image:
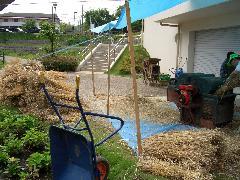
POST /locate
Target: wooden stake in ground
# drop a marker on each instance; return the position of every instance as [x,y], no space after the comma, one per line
[142,32]
[93,83]
[108,91]
[134,79]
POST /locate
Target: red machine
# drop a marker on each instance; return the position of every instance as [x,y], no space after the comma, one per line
[193,93]
[185,94]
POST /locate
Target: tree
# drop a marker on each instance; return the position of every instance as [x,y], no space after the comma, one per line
[30,24]
[98,17]
[64,28]
[136,26]
[49,31]
[118,12]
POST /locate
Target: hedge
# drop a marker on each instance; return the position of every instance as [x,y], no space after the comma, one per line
[60,63]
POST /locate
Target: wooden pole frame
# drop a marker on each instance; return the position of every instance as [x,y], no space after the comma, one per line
[134,78]
[93,80]
[109,62]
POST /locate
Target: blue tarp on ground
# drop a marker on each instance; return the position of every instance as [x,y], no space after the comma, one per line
[141,9]
[105,27]
[128,132]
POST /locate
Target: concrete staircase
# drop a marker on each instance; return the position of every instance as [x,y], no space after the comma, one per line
[100,57]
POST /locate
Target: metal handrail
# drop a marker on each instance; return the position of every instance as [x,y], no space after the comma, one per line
[112,52]
[87,48]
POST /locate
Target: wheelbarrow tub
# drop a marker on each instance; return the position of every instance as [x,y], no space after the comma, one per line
[71,155]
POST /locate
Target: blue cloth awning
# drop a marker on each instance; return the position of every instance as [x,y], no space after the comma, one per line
[105,27]
[141,9]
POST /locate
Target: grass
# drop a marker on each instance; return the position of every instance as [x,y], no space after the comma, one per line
[22,54]
[115,70]
[4,36]
[1,64]
[123,65]
[22,44]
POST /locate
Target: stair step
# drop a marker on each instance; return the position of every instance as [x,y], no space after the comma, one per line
[96,70]
[100,58]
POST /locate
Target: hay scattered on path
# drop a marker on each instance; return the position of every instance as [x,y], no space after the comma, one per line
[20,87]
[191,155]
[153,109]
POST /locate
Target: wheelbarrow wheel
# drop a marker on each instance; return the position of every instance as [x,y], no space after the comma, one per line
[102,167]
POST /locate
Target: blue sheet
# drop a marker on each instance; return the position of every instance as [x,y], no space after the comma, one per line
[128,132]
[105,27]
[141,9]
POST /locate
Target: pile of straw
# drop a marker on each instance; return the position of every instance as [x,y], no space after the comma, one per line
[182,155]
[20,87]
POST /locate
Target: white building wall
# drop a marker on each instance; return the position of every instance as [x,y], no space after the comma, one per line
[161,42]
[188,30]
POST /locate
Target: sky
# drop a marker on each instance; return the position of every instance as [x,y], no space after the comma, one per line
[65,8]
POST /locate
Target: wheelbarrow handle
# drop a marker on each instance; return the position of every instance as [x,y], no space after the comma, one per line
[77,81]
[110,117]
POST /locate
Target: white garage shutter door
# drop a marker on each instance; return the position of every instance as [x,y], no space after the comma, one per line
[211,48]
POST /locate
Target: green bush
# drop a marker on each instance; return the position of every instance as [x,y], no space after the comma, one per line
[165,77]
[140,55]
[60,63]
[14,146]
[76,39]
[16,124]
[35,140]
[2,138]
[3,159]
[38,163]
[13,168]
[21,135]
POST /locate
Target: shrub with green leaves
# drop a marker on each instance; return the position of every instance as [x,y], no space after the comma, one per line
[165,77]
[60,63]
[17,124]
[14,146]
[3,159]
[35,140]
[38,163]
[13,168]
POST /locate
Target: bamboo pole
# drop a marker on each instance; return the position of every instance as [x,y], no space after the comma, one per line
[142,32]
[108,90]
[134,81]
[93,81]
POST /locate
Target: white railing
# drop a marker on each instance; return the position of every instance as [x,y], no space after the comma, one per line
[93,43]
[113,50]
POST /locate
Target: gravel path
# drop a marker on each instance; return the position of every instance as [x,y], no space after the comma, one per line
[120,86]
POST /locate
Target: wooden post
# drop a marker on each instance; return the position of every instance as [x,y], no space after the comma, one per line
[109,61]
[142,32]
[134,79]
[3,57]
[93,83]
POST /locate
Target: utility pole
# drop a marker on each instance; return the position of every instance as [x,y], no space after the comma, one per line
[74,17]
[82,18]
[54,6]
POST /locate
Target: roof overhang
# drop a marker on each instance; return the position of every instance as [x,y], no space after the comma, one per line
[187,12]
[4,3]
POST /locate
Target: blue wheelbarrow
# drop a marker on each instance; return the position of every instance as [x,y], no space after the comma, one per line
[73,156]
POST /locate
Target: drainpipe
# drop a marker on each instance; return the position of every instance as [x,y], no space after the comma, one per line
[178,39]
